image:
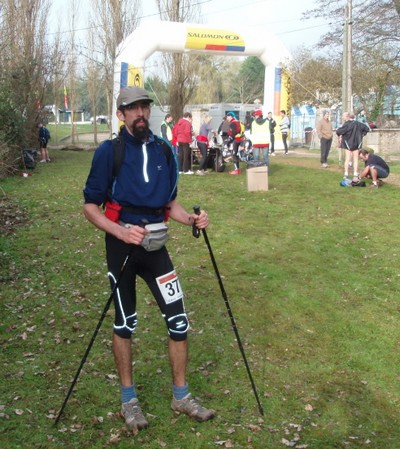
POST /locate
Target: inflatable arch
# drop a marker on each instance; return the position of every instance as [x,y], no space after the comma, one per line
[198,38]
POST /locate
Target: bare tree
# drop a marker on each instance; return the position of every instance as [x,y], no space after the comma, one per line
[26,65]
[315,79]
[375,21]
[181,69]
[95,80]
[112,21]
[210,79]
[250,80]
[59,69]
[376,45]
[72,70]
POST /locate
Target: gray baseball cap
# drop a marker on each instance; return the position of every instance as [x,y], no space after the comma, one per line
[131,94]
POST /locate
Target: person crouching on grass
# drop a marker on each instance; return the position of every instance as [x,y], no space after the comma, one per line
[375,168]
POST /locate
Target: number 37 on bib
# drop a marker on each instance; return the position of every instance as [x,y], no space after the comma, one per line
[170,287]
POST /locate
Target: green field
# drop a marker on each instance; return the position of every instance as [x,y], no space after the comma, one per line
[311,270]
[61,132]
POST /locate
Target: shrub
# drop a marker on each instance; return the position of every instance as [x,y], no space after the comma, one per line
[11,134]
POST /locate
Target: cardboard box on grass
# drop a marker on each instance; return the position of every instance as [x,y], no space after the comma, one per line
[257,178]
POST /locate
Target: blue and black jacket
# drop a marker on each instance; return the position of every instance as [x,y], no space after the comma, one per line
[146,181]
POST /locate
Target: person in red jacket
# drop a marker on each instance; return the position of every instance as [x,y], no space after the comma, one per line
[182,134]
[235,136]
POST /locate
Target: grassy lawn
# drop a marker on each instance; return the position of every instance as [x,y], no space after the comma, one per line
[61,131]
[312,273]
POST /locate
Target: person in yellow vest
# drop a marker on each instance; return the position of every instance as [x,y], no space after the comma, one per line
[166,128]
[260,137]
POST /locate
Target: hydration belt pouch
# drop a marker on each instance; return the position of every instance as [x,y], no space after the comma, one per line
[156,239]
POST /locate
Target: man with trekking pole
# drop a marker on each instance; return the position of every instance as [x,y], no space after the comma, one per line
[135,177]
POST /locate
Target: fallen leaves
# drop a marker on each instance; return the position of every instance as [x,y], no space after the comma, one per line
[254,428]
[51,414]
[225,443]
[114,438]
[11,216]
[72,428]
[97,419]
[2,414]
[292,436]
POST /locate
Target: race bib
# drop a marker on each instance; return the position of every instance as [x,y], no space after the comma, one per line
[170,287]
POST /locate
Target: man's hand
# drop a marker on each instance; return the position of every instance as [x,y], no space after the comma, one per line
[201,220]
[132,234]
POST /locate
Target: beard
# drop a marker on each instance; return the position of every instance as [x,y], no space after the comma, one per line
[140,128]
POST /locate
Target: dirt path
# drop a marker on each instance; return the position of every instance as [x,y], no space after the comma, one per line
[82,142]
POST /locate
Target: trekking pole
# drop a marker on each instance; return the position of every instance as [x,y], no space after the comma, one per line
[103,315]
[196,233]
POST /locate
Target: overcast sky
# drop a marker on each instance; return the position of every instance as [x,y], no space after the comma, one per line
[282,17]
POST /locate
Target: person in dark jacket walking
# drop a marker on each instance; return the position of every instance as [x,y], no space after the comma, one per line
[351,135]
[44,137]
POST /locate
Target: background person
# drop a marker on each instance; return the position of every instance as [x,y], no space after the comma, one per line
[375,168]
[183,135]
[285,126]
[223,128]
[203,143]
[362,117]
[44,137]
[235,136]
[260,137]
[143,191]
[325,135]
[351,135]
[272,126]
[166,128]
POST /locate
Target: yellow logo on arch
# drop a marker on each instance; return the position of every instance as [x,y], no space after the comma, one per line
[130,75]
[215,40]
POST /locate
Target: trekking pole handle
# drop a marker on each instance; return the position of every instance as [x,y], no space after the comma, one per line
[195,229]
